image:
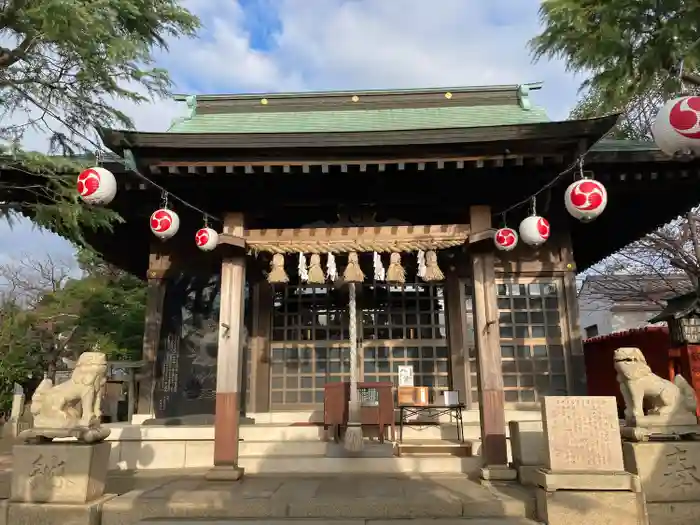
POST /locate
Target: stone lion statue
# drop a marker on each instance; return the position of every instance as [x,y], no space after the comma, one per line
[638,382]
[75,403]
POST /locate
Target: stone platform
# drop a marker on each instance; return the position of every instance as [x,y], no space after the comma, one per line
[348,497]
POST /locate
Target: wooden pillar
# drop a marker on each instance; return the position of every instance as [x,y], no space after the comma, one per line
[157,267]
[490,379]
[229,358]
[456,336]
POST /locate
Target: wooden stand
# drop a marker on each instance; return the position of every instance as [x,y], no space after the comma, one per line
[381,415]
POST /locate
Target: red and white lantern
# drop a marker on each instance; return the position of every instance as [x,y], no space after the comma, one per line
[164,223]
[505,239]
[676,128]
[585,199]
[97,186]
[534,230]
[206,239]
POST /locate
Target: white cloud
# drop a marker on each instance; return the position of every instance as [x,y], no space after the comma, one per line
[352,44]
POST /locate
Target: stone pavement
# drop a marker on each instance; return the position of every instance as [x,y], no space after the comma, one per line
[349,497]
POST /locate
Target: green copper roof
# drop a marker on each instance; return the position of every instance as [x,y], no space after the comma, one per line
[395,119]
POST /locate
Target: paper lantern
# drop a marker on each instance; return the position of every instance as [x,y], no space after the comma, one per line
[164,223]
[534,230]
[585,199]
[206,239]
[676,129]
[97,186]
[505,239]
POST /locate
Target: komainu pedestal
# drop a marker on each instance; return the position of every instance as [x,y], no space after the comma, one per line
[63,482]
[584,480]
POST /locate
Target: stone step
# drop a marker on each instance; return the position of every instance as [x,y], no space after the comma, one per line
[341,521]
[360,465]
[316,416]
[310,448]
[434,448]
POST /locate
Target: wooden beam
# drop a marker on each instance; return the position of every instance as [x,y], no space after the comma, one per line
[229,360]
[370,238]
[486,336]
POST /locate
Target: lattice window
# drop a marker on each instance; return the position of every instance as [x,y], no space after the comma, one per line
[532,348]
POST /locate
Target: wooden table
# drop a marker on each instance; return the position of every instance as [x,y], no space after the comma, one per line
[433,412]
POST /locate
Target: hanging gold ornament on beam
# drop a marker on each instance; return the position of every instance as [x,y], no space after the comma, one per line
[353,272]
[277,273]
[316,275]
[433,272]
[396,273]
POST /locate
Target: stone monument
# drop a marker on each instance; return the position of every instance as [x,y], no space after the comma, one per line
[584,479]
[662,446]
[63,481]
[12,425]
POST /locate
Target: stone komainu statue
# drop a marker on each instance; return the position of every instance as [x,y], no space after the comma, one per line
[669,400]
[75,403]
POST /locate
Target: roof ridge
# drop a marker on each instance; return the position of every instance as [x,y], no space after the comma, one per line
[531,86]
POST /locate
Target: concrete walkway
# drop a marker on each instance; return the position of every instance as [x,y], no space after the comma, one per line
[347,497]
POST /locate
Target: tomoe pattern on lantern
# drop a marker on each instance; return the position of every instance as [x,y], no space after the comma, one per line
[506,239]
[206,239]
[585,199]
[96,186]
[165,223]
[677,126]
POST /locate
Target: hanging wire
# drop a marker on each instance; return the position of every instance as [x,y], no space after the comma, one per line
[576,163]
[119,159]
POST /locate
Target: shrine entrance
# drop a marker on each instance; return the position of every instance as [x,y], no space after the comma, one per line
[397,325]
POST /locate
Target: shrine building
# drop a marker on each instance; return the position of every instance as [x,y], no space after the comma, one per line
[422,173]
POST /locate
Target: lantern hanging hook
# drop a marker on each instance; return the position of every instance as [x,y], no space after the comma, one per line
[681,67]
[580,168]
[533,205]
[206,221]
[164,199]
[503,219]
[98,157]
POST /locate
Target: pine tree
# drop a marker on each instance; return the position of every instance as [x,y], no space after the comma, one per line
[630,50]
[65,64]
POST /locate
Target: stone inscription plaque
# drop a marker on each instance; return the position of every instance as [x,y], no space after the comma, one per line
[582,433]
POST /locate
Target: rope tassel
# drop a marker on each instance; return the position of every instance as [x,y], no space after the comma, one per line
[395,274]
[316,275]
[432,270]
[353,272]
[277,273]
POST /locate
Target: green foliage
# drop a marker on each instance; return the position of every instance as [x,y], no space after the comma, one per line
[74,59]
[626,48]
[106,307]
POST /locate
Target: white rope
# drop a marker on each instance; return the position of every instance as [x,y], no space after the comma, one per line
[354,369]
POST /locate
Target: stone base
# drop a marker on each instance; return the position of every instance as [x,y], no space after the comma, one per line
[12,513]
[499,473]
[682,513]
[67,472]
[578,507]
[527,475]
[227,473]
[668,471]
[553,481]
[83,434]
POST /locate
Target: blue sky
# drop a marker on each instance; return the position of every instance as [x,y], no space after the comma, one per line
[298,45]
